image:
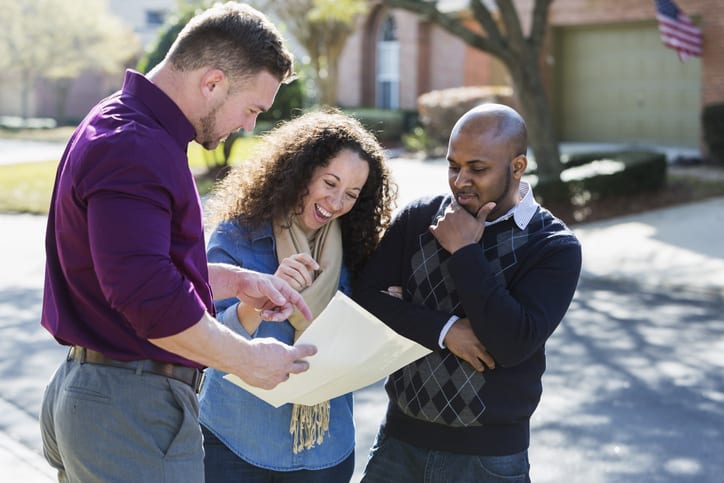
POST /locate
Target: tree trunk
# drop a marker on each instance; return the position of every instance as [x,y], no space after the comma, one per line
[319,81]
[330,93]
[26,87]
[334,52]
[528,85]
[538,116]
[62,88]
[327,96]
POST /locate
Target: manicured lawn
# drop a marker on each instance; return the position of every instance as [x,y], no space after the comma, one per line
[26,187]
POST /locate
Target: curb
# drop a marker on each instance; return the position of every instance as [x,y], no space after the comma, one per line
[18,459]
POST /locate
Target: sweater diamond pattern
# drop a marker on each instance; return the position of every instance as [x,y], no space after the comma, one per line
[441,388]
[431,283]
[503,254]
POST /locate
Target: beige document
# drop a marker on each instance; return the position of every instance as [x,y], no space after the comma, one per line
[354,349]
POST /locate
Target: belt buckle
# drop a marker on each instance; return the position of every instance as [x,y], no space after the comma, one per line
[76,353]
[198,380]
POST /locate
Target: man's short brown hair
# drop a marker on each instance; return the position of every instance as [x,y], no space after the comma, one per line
[235,38]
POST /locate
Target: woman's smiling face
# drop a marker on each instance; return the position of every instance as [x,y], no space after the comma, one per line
[333,189]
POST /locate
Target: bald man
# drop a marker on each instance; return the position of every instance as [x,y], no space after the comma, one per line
[483,276]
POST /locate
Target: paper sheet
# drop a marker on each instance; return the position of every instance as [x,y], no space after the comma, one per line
[354,349]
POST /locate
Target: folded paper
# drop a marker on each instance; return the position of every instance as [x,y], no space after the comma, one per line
[354,349]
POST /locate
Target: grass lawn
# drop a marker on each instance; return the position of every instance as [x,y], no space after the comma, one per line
[26,187]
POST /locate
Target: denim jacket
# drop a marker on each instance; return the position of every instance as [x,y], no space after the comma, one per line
[254,430]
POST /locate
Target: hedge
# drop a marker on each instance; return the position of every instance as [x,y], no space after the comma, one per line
[606,174]
[386,124]
[712,121]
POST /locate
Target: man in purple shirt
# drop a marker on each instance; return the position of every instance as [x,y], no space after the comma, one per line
[128,286]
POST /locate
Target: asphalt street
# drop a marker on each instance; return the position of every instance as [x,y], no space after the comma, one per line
[634,389]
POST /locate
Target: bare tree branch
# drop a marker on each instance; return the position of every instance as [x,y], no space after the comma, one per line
[539,23]
[520,55]
[482,14]
[429,11]
[510,18]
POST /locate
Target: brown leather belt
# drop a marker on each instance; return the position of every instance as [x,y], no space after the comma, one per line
[188,375]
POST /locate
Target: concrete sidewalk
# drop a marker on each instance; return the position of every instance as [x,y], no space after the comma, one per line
[21,151]
[20,462]
[677,249]
[22,263]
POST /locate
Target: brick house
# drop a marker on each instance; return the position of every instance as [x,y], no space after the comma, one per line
[609,77]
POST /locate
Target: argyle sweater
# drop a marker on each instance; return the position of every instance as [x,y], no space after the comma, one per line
[515,286]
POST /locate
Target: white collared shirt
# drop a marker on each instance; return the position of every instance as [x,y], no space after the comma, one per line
[522,212]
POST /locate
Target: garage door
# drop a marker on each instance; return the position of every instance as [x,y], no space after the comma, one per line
[618,83]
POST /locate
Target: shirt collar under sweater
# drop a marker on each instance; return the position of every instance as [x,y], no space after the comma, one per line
[523,212]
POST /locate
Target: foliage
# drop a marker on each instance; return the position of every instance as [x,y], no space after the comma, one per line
[601,175]
[288,103]
[385,124]
[417,141]
[712,120]
[321,27]
[167,35]
[57,39]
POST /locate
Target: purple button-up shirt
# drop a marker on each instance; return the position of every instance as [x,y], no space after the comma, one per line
[125,244]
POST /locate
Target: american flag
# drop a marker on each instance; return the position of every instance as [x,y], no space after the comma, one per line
[677,30]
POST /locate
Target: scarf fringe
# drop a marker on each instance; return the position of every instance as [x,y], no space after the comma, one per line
[309,425]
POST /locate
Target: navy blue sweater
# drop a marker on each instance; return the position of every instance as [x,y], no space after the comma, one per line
[514,287]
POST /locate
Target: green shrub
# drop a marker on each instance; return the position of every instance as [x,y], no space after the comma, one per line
[440,109]
[168,33]
[600,175]
[410,120]
[288,103]
[386,124]
[712,120]
[417,141]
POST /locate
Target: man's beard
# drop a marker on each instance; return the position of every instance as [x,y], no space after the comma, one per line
[506,188]
[503,194]
[208,125]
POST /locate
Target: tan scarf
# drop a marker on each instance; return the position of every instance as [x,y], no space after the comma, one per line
[309,423]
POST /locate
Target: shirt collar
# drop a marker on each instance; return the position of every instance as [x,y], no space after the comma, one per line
[522,212]
[162,107]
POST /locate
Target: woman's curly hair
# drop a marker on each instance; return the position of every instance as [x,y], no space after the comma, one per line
[275,181]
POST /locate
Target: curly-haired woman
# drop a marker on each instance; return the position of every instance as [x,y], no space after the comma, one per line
[310,208]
